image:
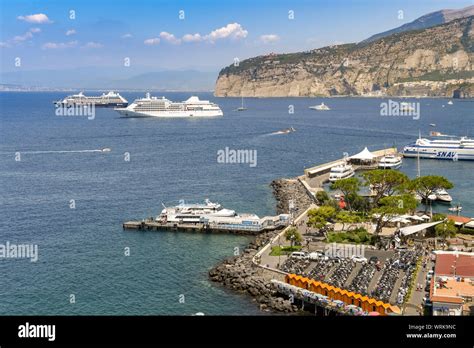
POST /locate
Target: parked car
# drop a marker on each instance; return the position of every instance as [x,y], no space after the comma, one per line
[356,258]
[317,255]
[299,255]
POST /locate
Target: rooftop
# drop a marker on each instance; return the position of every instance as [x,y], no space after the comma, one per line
[455,264]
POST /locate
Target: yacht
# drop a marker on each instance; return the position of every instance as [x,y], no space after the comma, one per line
[390,162]
[342,171]
[320,107]
[443,196]
[406,107]
[450,102]
[162,107]
[450,148]
[110,99]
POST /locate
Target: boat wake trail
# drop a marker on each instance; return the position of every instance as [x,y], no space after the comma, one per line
[63,151]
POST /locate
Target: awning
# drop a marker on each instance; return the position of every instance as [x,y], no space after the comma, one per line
[406,231]
[364,155]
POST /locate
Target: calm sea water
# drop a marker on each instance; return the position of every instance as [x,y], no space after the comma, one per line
[81,250]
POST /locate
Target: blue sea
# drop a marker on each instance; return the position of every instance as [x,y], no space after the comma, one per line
[71,202]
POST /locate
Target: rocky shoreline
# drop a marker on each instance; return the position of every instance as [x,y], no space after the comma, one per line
[240,274]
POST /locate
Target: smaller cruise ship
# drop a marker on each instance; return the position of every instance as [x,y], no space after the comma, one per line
[342,171]
[390,162]
[161,107]
[110,99]
[320,107]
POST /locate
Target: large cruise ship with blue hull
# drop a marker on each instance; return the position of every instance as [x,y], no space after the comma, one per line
[443,148]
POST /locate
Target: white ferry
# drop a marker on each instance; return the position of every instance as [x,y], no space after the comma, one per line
[451,148]
[214,215]
[162,107]
[390,162]
[342,171]
[110,99]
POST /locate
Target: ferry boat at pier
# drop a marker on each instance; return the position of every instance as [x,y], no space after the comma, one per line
[450,148]
[216,217]
[110,99]
[162,107]
[342,171]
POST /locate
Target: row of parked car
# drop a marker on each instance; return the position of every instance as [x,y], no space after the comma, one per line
[318,255]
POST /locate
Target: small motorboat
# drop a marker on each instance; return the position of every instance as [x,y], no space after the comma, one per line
[320,107]
[433,124]
[106,149]
[450,102]
[285,131]
[443,196]
[457,208]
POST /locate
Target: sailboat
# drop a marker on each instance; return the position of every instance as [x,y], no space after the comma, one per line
[242,107]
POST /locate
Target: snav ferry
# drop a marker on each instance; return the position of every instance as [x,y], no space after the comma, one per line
[110,99]
[450,148]
[161,107]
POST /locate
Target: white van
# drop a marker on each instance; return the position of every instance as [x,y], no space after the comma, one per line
[298,255]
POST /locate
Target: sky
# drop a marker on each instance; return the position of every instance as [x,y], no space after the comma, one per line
[203,35]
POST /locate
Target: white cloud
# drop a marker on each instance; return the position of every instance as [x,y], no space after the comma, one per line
[93,44]
[192,37]
[151,42]
[26,36]
[232,31]
[165,36]
[126,36]
[57,45]
[70,32]
[269,38]
[39,18]
[4,44]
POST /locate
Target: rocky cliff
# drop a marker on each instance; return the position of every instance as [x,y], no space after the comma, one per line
[436,61]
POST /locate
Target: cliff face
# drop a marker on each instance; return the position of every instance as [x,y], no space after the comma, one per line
[432,62]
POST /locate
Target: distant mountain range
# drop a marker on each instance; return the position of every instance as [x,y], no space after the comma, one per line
[434,61]
[112,78]
[426,21]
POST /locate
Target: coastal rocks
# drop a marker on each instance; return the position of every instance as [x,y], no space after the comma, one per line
[285,190]
[240,274]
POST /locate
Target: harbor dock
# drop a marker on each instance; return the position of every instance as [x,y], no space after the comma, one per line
[153,225]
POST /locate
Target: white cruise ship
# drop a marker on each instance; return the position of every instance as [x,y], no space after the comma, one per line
[450,148]
[110,99]
[162,107]
[342,171]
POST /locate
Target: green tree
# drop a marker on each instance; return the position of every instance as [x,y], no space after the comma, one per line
[318,217]
[384,183]
[345,217]
[293,236]
[322,197]
[424,186]
[446,230]
[391,206]
[349,186]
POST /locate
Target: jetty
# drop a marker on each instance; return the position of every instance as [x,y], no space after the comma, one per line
[266,224]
